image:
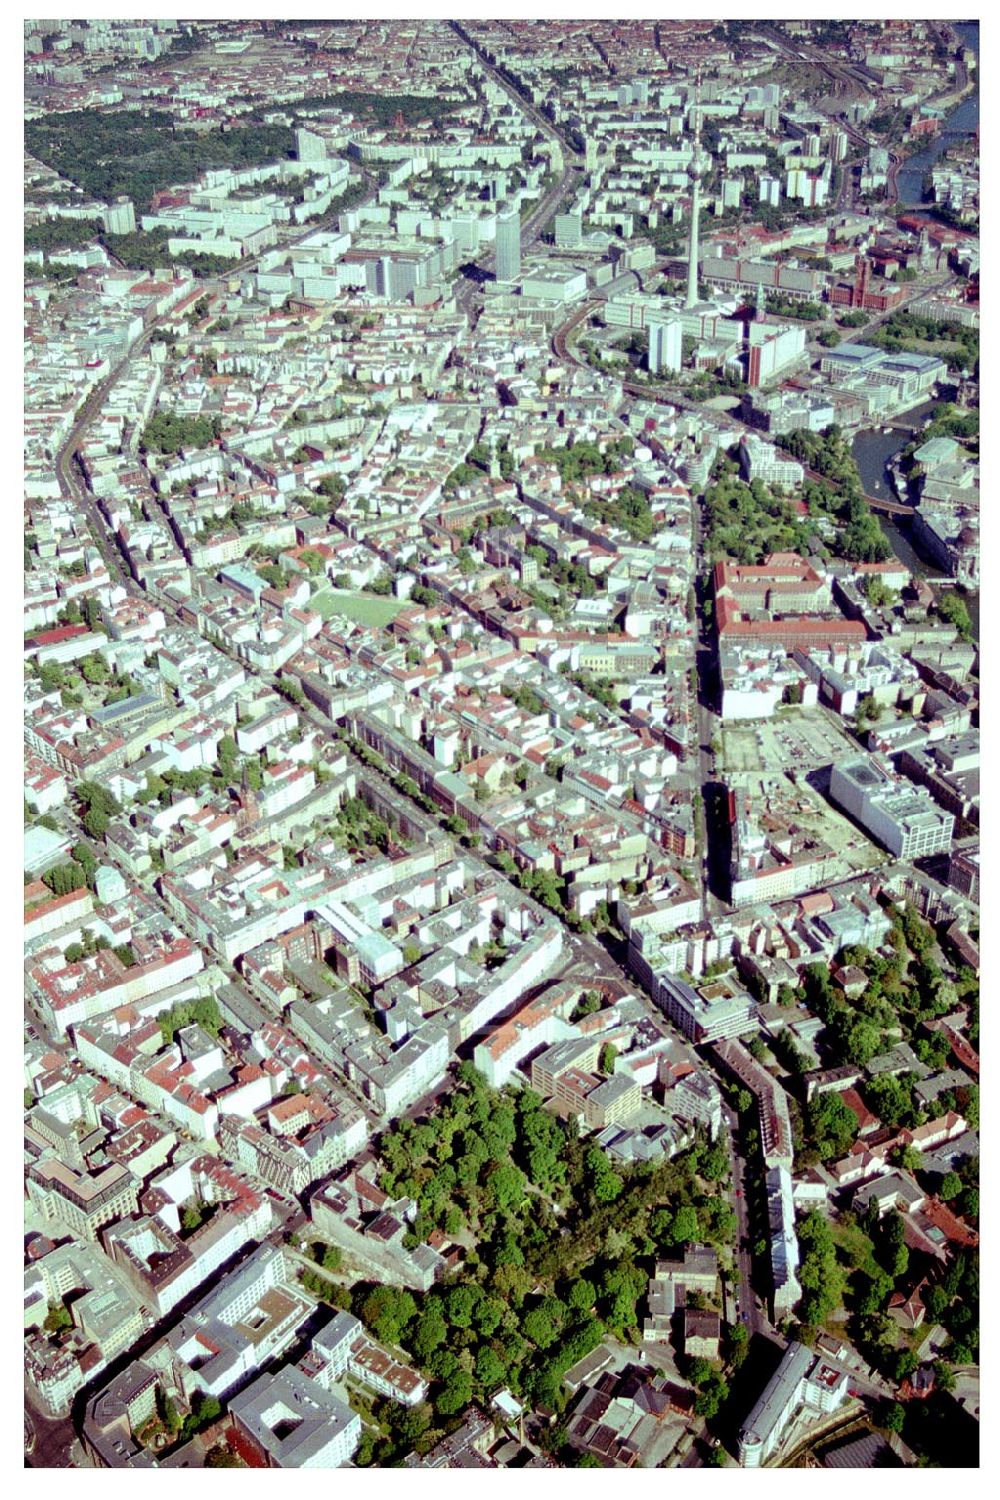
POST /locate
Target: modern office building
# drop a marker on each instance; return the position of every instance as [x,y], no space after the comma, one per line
[288,1421]
[509,245]
[569,231]
[718,1008]
[749,273]
[760,460]
[901,817]
[908,376]
[116,1414]
[83,1201]
[802,1379]
[244,1323]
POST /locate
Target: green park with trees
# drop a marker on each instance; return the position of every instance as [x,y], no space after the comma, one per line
[558,1245]
[852,1266]
[917,334]
[169,434]
[139,153]
[748,521]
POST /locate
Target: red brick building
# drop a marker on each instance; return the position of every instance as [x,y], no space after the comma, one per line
[862,293]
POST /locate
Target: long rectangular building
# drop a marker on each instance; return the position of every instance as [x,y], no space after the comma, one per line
[802,1379]
[715,1010]
[903,818]
[772,1102]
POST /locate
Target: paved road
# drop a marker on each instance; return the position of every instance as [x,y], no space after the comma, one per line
[746,1301]
[54,1437]
[468,293]
[751,1312]
[705,652]
[525,105]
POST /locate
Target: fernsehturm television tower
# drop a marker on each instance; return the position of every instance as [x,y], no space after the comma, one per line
[696,169]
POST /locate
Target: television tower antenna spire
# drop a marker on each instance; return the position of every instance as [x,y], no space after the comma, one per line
[696,168]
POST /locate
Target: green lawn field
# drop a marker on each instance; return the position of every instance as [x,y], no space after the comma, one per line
[367,609]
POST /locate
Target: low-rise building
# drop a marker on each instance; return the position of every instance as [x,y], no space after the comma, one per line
[356,1215]
[702,1332]
[343,1347]
[697,1271]
[466,1448]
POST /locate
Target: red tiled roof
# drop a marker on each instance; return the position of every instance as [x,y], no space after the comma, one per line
[61,633]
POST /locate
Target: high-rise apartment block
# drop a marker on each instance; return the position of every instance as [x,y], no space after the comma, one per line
[309,146]
[119,217]
[665,346]
[509,245]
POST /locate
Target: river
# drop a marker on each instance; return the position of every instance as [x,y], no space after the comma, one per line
[963,120]
[872,449]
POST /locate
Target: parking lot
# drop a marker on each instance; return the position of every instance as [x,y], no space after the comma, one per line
[801,740]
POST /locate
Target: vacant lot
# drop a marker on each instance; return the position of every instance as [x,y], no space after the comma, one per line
[802,802]
[367,609]
[741,750]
